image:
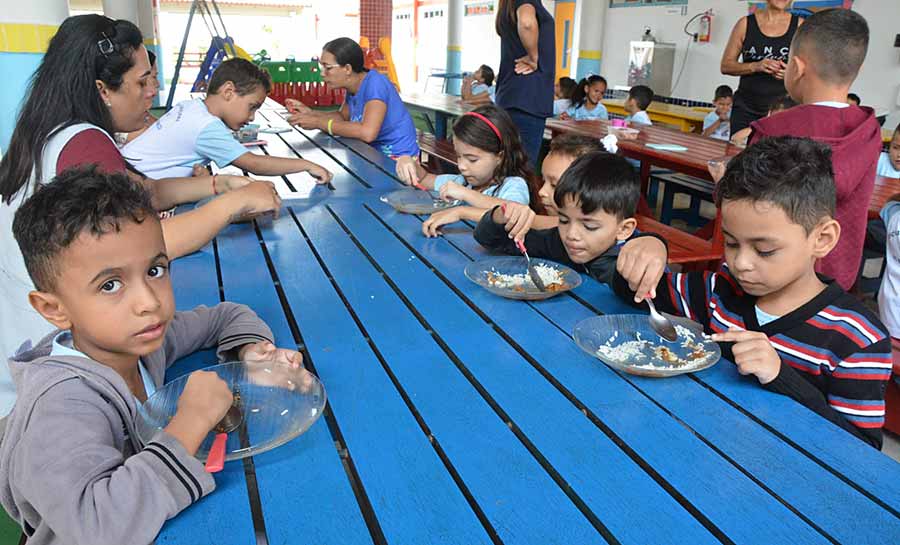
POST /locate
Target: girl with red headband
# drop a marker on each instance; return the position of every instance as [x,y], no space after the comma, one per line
[493,169]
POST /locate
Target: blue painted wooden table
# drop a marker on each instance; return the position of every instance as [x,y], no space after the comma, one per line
[455,416]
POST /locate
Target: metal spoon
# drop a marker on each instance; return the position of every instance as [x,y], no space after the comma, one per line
[532,272]
[215,461]
[660,324]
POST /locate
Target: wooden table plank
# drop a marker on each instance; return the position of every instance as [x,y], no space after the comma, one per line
[294,143]
[885,189]
[787,472]
[461,237]
[693,161]
[443,107]
[618,491]
[687,119]
[517,496]
[707,482]
[294,478]
[227,511]
[413,497]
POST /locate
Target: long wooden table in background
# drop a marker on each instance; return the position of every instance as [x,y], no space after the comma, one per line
[885,188]
[694,161]
[442,107]
[456,416]
[685,118]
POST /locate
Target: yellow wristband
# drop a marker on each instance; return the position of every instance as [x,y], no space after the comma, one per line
[330,123]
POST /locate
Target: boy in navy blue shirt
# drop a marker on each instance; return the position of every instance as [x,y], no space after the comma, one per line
[596,201]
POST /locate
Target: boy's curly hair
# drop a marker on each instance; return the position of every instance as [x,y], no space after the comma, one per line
[76,201]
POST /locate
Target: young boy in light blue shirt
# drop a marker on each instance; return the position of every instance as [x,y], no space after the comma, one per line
[717,124]
[889,161]
[639,99]
[200,130]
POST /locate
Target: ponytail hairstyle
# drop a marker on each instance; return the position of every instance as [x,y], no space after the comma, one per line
[346,51]
[579,96]
[63,91]
[567,87]
[477,132]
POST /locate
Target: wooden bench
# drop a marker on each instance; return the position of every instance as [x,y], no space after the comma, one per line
[697,189]
[435,153]
[685,249]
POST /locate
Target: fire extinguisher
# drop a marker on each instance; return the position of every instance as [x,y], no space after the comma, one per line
[703,35]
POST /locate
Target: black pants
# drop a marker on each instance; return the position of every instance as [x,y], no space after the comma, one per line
[531,131]
[745,112]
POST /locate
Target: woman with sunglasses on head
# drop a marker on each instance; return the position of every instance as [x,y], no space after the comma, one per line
[93,82]
[373,111]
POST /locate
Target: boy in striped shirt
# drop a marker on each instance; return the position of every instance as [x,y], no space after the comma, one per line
[800,334]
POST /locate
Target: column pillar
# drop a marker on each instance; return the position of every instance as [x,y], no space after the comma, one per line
[590,36]
[24,35]
[455,13]
[148,22]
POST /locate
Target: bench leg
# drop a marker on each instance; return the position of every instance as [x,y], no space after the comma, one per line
[693,218]
[440,126]
[668,204]
[653,192]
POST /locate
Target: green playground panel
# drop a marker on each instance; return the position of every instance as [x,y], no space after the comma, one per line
[292,71]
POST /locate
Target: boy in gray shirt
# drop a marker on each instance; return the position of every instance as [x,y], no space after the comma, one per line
[72,469]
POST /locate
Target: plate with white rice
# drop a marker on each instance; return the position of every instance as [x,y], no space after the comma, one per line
[508,277]
[416,201]
[626,342]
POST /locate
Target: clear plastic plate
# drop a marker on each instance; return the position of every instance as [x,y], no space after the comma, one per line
[604,336]
[278,404]
[416,201]
[485,273]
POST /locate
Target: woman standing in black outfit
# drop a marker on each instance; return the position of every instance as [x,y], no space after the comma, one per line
[757,51]
[527,65]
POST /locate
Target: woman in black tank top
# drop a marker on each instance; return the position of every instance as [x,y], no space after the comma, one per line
[757,51]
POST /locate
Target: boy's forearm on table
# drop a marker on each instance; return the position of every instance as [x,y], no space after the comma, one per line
[187,232]
[169,192]
[269,165]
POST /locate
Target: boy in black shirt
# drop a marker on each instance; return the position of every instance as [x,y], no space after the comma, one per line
[596,200]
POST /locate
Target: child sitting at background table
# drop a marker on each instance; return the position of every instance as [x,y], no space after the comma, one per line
[72,466]
[200,130]
[595,202]
[798,333]
[853,99]
[717,123]
[493,169]
[889,161]
[639,99]
[478,88]
[562,94]
[826,54]
[586,100]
